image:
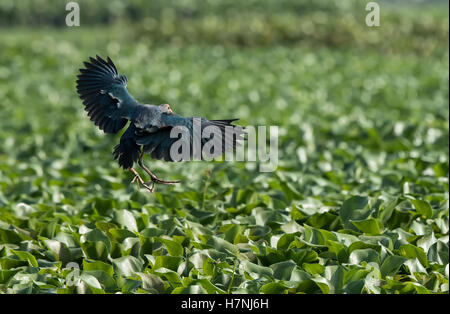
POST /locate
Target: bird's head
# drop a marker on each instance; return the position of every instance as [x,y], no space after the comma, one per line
[165,108]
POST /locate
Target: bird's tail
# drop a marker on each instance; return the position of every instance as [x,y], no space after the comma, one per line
[230,135]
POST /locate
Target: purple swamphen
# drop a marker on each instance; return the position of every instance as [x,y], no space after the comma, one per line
[110,107]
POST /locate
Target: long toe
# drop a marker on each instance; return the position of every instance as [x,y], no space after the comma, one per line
[158,180]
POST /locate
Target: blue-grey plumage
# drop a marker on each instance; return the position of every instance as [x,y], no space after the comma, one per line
[110,106]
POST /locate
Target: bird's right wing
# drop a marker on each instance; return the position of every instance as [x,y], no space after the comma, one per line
[157,141]
[104,94]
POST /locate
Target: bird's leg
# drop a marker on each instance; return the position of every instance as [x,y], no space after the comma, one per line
[139,180]
[153,177]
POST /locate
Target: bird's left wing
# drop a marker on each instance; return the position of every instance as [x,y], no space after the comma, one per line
[158,141]
[104,94]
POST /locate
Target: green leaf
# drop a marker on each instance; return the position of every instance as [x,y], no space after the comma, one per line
[173,248]
[126,219]
[438,253]
[423,208]
[6,275]
[169,262]
[120,235]
[194,289]
[95,250]
[26,256]
[313,268]
[284,241]
[339,249]
[222,245]
[96,235]
[128,285]
[151,282]
[386,210]
[104,278]
[60,250]
[208,267]
[370,226]
[91,281]
[415,266]
[354,208]
[98,265]
[170,275]
[259,232]
[322,283]
[274,288]
[10,236]
[257,271]
[283,270]
[410,251]
[354,287]
[103,205]
[127,265]
[335,276]
[391,264]
[364,255]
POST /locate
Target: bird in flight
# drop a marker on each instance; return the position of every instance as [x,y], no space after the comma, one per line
[110,107]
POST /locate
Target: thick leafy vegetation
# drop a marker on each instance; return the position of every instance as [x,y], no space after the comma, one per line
[358,204]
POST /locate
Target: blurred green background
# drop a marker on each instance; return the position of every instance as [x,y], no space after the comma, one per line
[361,110]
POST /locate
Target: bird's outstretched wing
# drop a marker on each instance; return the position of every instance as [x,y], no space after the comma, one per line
[104,94]
[158,142]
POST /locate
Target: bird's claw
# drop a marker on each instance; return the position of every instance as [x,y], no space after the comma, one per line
[150,185]
[158,180]
[153,178]
[139,181]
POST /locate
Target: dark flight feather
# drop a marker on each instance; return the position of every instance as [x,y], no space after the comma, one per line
[95,85]
[159,143]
